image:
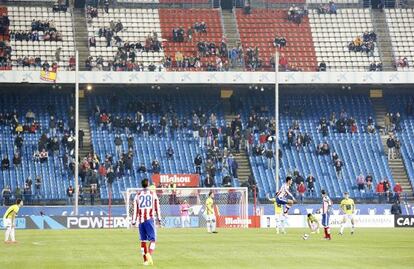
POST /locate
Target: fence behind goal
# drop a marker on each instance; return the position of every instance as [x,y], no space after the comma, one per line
[231,206]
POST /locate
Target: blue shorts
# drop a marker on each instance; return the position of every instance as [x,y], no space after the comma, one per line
[325,220]
[147,230]
[281,201]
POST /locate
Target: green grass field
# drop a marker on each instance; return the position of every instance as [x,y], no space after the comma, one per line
[194,248]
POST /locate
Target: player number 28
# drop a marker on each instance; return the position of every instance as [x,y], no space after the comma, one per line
[145,201]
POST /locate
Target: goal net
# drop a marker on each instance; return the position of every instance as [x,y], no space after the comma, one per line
[230,206]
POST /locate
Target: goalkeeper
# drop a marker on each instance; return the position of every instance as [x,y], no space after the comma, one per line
[9,221]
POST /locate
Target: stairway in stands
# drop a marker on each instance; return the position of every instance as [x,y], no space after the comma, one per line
[81,35]
[242,158]
[398,170]
[231,32]
[84,125]
[384,39]
[87,143]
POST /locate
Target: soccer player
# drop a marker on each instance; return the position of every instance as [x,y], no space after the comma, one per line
[9,221]
[348,208]
[283,195]
[326,211]
[185,214]
[313,223]
[280,219]
[211,217]
[146,207]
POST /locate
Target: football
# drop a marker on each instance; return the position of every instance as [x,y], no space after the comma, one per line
[305,237]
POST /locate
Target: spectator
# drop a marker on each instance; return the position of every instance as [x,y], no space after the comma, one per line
[69,193]
[142,168]
[5,163]
[397,191]
[106,6]
[368,183]
[380,190]
[92,42]
[18,193]
[396,208]
[269,157]
[301,190]
[322,66]
[209,181]
[310,182]
[198,160]
[279,42]
[43,156]
[155,167]
[391,147]
[38,186]
[27,194]
[6,194]
[118,145]
[226,182]
[360,180]
[17,160]
[30,116]
[170,153]
[338,168]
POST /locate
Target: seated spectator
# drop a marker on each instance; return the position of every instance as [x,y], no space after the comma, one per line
[226,182]
[209,181]
[5,163]
[323,149]
[43,156]
[279,42]
[170,152]
[360,181]
[92,41]
[155,167]
[403,62]
[397,191]
[142,168]
[322,66]
[17,159]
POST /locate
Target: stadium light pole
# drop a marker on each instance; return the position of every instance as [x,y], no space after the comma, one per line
[76,209]
[277,118]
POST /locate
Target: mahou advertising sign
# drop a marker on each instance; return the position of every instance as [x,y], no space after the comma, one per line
[181,180]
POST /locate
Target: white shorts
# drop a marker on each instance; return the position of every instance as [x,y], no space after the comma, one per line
[7,223]
[211,218]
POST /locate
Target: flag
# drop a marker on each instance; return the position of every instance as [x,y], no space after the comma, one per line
[48,75]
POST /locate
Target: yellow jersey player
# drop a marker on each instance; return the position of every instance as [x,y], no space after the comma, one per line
[313,223]
[210,215]
[348,209]
[9,221]
[279,217]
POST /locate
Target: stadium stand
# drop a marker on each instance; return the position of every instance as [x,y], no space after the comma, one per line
[29,42]
[5,49]
[54,172]
[154,145]
[137,26]
[332,33]
[260,28]
[185,18]
[400,23]
[360,152]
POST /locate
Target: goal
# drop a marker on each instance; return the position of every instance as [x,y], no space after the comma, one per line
[231,206]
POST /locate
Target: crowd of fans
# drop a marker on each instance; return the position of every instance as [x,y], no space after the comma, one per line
[329,8]
[364,43]
[295,14]
[5,48]
[56,141]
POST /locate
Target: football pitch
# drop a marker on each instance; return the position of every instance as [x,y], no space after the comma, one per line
[194,248]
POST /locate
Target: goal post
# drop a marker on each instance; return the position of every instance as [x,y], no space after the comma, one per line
[230,206]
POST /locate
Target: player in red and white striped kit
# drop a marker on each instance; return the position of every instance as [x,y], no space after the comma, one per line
[326,211]
[146,208]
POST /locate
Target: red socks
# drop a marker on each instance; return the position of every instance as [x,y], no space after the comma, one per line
[327,232]
[144,250]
